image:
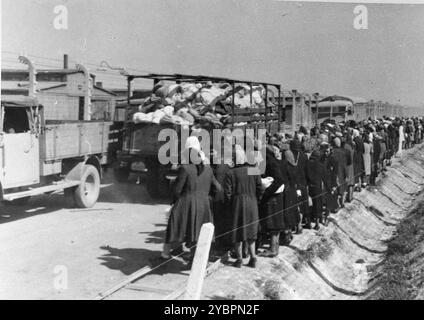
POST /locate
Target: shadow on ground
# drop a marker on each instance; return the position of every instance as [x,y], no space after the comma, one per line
[127,192]
[130,260]
[156,236]
[43,204]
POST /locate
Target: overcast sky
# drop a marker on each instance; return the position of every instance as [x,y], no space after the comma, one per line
[311,47]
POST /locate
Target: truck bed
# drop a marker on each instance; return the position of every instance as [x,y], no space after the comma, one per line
[68,139]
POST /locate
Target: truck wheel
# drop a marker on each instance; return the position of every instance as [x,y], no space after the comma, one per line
[87,193]
[121,174]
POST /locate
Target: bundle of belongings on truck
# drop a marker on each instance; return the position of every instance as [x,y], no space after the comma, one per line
[206,104]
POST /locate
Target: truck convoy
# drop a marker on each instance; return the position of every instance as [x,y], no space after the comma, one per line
[45,156]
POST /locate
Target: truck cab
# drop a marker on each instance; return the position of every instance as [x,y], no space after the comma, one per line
[19,143]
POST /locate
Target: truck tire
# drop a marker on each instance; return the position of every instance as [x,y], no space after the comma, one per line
[121,174]
[87,193]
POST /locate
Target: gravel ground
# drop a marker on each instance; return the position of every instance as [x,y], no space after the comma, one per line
[48,252]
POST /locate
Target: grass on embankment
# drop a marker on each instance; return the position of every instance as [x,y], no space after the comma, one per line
[398,279]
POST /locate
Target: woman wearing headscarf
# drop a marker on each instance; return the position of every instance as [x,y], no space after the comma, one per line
[191,209]
[271,207]
[299,164]
[340,159]
[242,191]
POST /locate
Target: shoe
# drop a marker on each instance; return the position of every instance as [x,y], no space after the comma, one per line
[238,263]
[252,263]
[299,230]
[316,226]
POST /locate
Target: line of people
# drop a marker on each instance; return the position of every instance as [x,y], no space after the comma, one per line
[307,177]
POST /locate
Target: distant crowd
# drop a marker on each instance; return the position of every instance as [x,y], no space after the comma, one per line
[307,177]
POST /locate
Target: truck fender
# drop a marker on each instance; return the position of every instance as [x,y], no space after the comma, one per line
[76,172]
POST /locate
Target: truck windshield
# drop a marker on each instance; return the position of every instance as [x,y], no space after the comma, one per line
[15,120]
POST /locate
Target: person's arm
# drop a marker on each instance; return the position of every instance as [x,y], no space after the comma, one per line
[274,172]
[215,185]
[259,188]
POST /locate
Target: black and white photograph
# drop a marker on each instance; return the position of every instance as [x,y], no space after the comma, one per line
[230,151]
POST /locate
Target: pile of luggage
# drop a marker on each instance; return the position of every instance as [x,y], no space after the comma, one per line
[205,104]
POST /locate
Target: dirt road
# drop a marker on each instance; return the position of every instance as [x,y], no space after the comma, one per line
[48,252]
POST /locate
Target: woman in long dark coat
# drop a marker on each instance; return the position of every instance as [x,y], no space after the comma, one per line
[222,216]
[330,197]
[316,174]
[291,212]
[241,191]
[300,172]
[191,209]
[293,199]
[341,158]
[271,208]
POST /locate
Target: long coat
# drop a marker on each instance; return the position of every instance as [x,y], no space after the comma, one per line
[350,171]
[367,158]
[192,206]
[241,191]
[291,209]
[316,177]
[330,165]
[376,154]
[358,158]
[301,182]
[341,158]
[271,209]
[221,214]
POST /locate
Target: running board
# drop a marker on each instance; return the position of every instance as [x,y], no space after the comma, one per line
[37,191]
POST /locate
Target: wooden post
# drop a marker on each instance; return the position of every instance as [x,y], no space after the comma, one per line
[201,257]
